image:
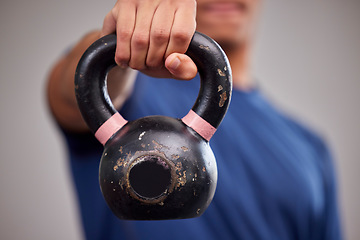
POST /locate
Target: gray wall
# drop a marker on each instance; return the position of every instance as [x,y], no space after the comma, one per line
[307,60]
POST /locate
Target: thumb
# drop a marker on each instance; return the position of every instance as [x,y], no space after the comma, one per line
[181,66]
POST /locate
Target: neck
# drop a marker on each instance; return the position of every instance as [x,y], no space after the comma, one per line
[240,61]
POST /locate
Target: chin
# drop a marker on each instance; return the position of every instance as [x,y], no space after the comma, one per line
[230,23]
[226,36]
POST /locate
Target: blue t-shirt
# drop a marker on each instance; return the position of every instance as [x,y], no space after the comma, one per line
[275,178]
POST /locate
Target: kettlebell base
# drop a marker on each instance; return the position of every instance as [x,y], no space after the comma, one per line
[181,167]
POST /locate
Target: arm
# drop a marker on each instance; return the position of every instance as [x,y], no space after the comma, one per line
[61,95]
[152,37]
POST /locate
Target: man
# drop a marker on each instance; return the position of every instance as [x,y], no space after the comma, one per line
[276,178]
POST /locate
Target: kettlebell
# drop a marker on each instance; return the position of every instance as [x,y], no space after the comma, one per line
[156,167]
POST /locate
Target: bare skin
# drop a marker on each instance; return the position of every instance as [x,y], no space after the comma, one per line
[152,37]
[232,24]
[61,95]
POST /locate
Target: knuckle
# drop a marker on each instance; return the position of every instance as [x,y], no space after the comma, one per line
[121,58]
[124,34]
[160,35]
[140,41]
[182,36]
[114,11]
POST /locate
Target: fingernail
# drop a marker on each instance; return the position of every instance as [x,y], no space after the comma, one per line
[174,64]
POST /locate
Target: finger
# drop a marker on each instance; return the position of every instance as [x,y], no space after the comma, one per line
[125,22]
[182,30]
[159,35]
[181,66]
[109,25]
[141,36]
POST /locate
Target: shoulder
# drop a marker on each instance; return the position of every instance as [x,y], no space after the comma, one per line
[312,136]
[315,140]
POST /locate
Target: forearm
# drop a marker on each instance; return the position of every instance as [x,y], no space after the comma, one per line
[61,93]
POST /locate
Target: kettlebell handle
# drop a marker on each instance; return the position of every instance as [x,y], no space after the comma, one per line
[204,117]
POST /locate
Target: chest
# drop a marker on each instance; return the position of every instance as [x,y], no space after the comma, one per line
[265,164]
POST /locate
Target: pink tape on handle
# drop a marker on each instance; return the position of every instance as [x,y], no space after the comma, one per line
[200,125]
[108,128]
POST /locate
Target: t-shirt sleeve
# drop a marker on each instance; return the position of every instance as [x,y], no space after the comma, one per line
[331,229]
[81,145]
[332,221]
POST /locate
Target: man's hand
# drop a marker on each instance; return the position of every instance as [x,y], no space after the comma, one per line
[153,35]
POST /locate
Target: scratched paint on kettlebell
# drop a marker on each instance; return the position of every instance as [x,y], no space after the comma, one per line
[221,73]
[193,179]
[121,184]
[185,149]
[198,211]
[128,155]
[119,163]
[159,146]
[178,166]
[223,98]
[175,156]
[204,47]
[181,181]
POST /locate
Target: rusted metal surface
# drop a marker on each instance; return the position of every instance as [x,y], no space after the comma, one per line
[223,98]
[191,163]
[185,172]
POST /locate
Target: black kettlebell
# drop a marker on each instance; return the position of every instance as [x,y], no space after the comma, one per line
[156,167]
